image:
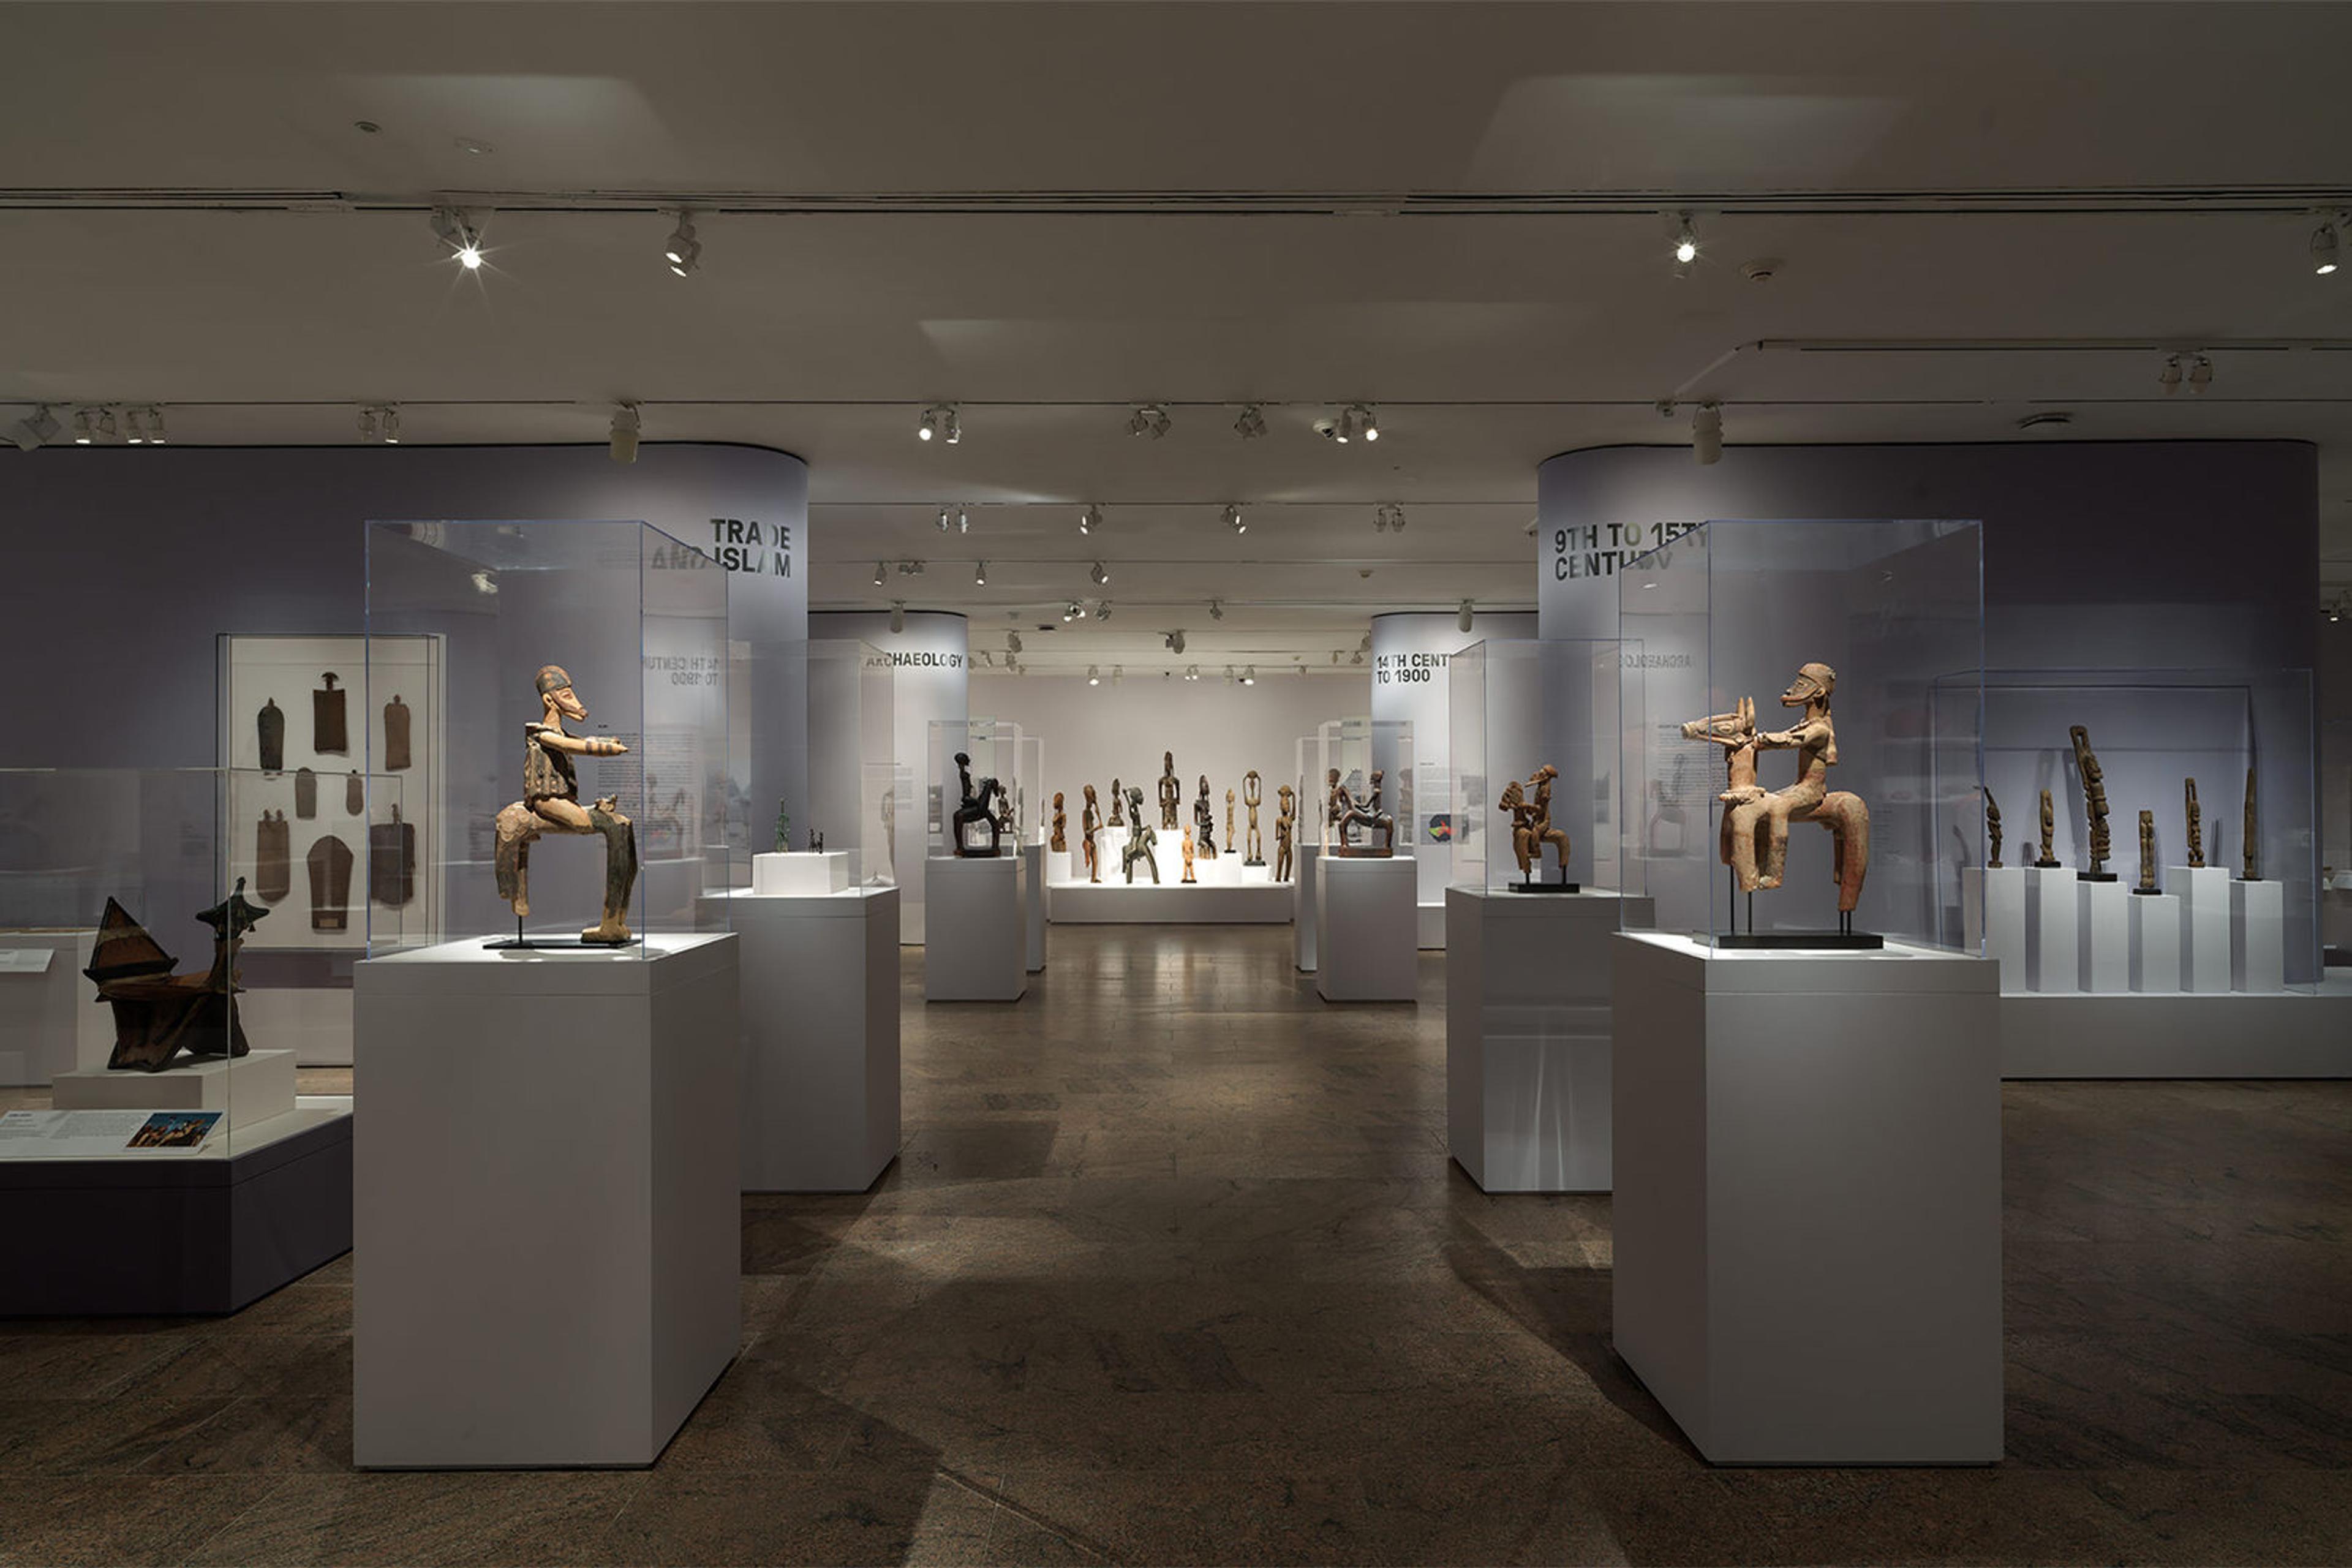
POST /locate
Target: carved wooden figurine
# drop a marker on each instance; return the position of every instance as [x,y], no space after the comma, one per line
[1061,842]
[1116,798]
[1205,822]
[1188,856]
[2048,861]
[551,804]
[2252,845]
[1171,791]
[1285,829]
[2095,801]
[984,805]
[1348,812]
[158,1014]
[1532,825]
[1140,837]
[1993,828]
[1232,840]
[2196,824]
[1090,824]
[2147,853]
[1253,792]
[1754,837]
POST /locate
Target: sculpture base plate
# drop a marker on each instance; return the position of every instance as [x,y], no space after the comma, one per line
[1359,852]
[979,855]
[1252,862]
[2147,892]
[2098,875]
[555,944]
[2049,865]
[1545,887]
[1830,941]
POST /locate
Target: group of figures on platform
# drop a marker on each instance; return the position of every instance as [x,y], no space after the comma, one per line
[1199,840]
[2094,808]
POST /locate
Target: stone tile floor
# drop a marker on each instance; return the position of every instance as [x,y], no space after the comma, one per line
[1173,1269]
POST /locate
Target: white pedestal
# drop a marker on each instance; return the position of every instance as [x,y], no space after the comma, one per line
[2204,926]
[2258,936]
[1992,920]
[1527,1037]
[546,1231]
[2053,938]
[1033,906]
[821,1077]
[1367,930]
[975,929]
[1115,903]
[2155,943]
[1303,858]
[2103,936]
[1807,1216]
[249,1087]
[798,874]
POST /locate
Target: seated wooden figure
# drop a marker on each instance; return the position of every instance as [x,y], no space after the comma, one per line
[1532,828]
[551,804]
[982,805]
[1348,812]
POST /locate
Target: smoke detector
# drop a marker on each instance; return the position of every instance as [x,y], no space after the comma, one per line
[1763,269]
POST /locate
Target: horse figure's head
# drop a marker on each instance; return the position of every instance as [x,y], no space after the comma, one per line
[1737,726]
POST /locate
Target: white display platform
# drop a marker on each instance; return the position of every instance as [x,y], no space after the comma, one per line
[1033,875]
[975,929]
[1806,1218]
[1304,859]
[250,1088]
[2258,937]
[1367,930]
[2156,944]
[2052,929]
[1527,1036]
[2103,937]
[2204,926]
[1114,903]
[2287,1034]
[547,1227]
[800,874]
[47,1025]
[1992,920]
[821,1070]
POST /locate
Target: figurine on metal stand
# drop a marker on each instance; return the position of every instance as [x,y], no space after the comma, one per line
[1532,828]
[1253,792]
[983,804]
[1205,822]
[2196,826]
[2095,801]
[551,804]
[1090,824]
[1993,828]
[1285,829]
[2147,853]
[1140,839]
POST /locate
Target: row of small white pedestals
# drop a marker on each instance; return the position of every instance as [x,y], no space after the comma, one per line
[2057,933]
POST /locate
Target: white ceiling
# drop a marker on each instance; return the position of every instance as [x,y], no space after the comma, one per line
[1045,212]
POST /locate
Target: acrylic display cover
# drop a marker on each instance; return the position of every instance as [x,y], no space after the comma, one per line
[1519,707]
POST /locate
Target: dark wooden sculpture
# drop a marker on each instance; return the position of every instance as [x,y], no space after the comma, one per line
[2251,848]
[2095,802]
[2147,853]
[982,805]
[158,1014]
[1349,812]
[551,804]
[1532,828]
[1140,837]
[1116,798]
[1993,828]
[2196,825]
[1090,824]
[1171,791]
[1253,793]
[1205,822]
[2048,860]
[1061,841]
[1285,829]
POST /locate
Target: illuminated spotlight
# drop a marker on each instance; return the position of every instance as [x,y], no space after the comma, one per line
[1233,520]
[38,428]
[1091,519]
[388,425]
[458,231]
[1149,419]
[82,436]
[2200,375]
[155,435]
[2168,377]
[1101,573]
[1094,675]
[626,425]
[980,575]
[1686,245]
[880,571]
[1074,611]
[2323,249]
[1368,424]
[934,422]
[946,521]
[954,428]
[963,520]
[898,615]
[1192,672]
[1251,424]
[1462,619]
[1706,433]
[134,433]
[683,251]
[1357,656]
[1216,609]
[1249,676]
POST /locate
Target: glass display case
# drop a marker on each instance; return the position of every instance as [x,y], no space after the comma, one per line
[616,633]
[994,747]
[1373,760]
[1032,803]
[1827,675]
[167,946]
[853,775]
[1516,709]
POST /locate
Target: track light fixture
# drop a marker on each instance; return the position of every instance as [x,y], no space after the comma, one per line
[1090,520]
[82,430]
[1094,675]
[1013,642]
[940,422]
[1102,611]
[1230,677]
[2168,377]
[683,251]
[1118,673]
[881,570]
[980,575]
[106,424]
[626,425]
[1192,672]
[155,435]
[1175,641]
[1388,515]
[1149,419]
[1252,422]
[2200,375]
[963,520]
[946,521]
[1462,620]
[2323,246]
[388,427]
[133,432]
[1076,612]
[898,615]
[366,423]
[1368,424]
[1216,609]
[1706,433]
[461,233]
[1685,244]
[910,568]
[1101,573]
[1357,656]
[35,429]
[1233,520]
[1249,676]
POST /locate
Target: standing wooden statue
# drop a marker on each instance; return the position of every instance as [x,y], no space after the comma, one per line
[2147,853]
[1090,824]
[2095,801]
[2254,838]
[2196,825]
[1171,791]
[1233,839]
[1205,822]
[1140,839]
[1253,792]
[1188,856]
[1285,829]
[1061,841]
[2049,860]
[551,804]
[1993,828]
[1116,820]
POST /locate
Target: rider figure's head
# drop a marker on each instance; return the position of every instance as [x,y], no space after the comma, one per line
[1813,681]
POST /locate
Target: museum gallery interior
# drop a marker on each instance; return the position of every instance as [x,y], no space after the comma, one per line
[1214,783]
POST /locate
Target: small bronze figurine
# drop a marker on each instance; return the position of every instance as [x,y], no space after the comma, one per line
[2095,801]
[2196,825]
[1993,828]
[1140,837]
[1090,824]
[1061,843]
[551,804]
[1205,822]
[1253,792]
[983,804]
[1171,791]
[2147,853]
[1285,829]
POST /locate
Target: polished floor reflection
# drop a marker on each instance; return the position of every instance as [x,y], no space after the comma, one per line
[1173,1269]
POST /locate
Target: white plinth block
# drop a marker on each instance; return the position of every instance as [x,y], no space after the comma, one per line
[249,1087]
[2204,926]
[1527,1037]
[1807,1216]
[975,929]
[799,874]
[1303,882]
[2155,943]
[2103,936]
[2258,936]
[1366,929]
[2053,937]
[1033,907]
[547,1230]
[819,1109]
[1992,920]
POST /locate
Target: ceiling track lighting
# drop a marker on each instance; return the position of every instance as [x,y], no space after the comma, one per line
[1118,673]
[1175,641]
[1192,672]
[1233,520]
[1462,619]
[2325,243]
[1706,433]
[946,521]
[1251,424]
[1013,642]
[940,422]
[881,571]
[980,575]
[898,615]
[1685,244]
[2200,375]
[1249,676]
[1387,516]
[134,433]
[2168,377]
[36,429]
[1102,611]
[1074,611]
[1090,520]
[155,433]
[461,233]
[626,423]
[1149,419]
[963,520]
[82,428]
[1216,609]
[1094,675]
[683,251]
[1101,573]
[910,568]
